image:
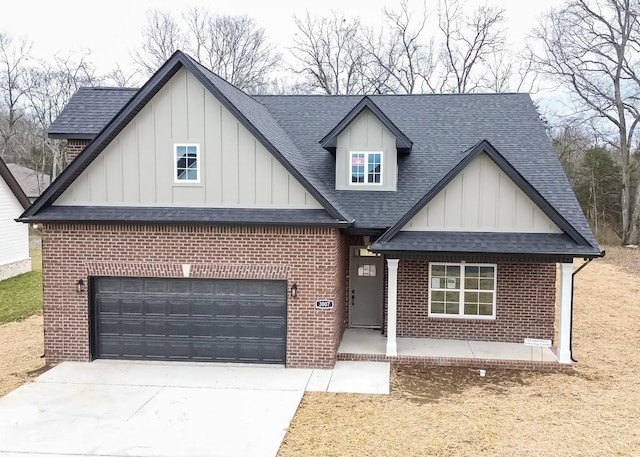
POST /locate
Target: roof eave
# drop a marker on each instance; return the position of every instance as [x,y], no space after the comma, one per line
[71,136]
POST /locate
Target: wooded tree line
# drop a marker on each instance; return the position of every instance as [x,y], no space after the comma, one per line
[589,49]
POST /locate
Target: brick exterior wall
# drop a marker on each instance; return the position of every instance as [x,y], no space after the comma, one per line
[525,305]
[313,258]
[74,147]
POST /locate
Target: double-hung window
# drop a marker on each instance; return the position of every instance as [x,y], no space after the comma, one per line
[366,167]
[462,290]
[187,163]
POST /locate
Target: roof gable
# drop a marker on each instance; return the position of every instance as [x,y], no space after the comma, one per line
[247,110]
[467,157]
[330,140]
[13,185]
[481,198]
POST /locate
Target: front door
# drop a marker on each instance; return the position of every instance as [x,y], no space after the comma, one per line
[366,281]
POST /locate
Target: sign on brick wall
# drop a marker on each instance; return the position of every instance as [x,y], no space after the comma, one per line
[324,304]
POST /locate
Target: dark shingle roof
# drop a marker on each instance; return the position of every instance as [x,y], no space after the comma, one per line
[442,128]
[177,215]
[480,242]
[32,182]
[88,111]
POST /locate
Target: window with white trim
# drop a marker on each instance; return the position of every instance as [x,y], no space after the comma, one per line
[462,290]
[187,163]
[366,167]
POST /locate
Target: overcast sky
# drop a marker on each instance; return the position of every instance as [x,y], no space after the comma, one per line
[111,28]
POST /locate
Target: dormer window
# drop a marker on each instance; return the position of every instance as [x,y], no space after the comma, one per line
[366,167]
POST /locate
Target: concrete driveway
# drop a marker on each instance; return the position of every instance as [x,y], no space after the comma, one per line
[109,408]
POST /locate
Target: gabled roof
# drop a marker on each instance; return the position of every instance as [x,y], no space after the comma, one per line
[248,111]
[103,102]
[440,126]
[467,156]
[330,140]
[17,191]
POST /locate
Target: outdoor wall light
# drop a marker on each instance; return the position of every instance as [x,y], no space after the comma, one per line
[294,290]
[80,285]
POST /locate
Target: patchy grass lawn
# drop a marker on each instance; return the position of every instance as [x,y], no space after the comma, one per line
[21,296]
[453,412]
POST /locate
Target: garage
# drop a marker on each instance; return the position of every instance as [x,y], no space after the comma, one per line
[217,320]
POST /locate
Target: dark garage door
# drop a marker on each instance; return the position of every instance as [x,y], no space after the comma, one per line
[219,320]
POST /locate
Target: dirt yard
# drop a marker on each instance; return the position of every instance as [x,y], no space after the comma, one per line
[453,412]
[21,349]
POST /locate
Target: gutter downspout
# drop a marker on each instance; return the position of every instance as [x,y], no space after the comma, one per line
[573,275]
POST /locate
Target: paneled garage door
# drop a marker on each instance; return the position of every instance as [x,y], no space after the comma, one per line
[218,320]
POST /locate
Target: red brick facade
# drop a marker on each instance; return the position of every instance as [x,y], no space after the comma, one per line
[75,147]
[316,259]
[525,305]
[313,258]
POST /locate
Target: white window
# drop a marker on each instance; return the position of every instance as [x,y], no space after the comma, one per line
[366,167]
[462,290]
[187,163]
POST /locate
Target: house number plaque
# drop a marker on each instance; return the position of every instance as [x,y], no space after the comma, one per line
[324,304]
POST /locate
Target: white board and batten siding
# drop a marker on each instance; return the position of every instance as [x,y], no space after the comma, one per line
[482,198]
[366,133]
[14,236]
[137,167]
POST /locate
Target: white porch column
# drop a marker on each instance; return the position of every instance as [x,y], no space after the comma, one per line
[392,306]
[564,327]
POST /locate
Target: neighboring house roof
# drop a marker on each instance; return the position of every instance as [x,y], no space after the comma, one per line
[102,102]
[32,182]
[442,129]
[15,188]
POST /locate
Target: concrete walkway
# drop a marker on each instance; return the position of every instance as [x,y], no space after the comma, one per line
[108,408]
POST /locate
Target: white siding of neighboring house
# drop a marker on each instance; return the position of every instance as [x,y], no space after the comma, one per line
[366,133]
[14,236]
[137,167]
[482,198]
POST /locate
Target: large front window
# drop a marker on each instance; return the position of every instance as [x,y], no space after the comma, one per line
[462,290]
[187,163]
[366,168]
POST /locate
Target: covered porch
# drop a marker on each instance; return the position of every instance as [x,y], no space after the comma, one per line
[366,344]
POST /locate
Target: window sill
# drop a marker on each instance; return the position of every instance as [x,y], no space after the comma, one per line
[187,184]
[461,318]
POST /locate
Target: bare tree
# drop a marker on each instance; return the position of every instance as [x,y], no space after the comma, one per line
[120,78]
[468,41]
[400,58]
[234,47]
[13,59]
[592,48]
[328,53]
[50,86]
[161,37]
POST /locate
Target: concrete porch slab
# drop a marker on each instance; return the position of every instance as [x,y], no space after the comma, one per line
[361,344]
